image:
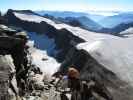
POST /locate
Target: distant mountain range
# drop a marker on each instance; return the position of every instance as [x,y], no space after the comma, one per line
[112,21]
[89,23]
[64,14]
[117,29]
[94,22]
[82,21]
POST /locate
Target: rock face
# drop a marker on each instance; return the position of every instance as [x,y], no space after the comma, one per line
[19,78]
[11,70]
[4,78]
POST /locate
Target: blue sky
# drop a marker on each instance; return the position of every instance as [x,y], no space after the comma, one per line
[68,5]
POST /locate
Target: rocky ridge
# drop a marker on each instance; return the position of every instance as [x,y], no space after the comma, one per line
[15,65]
[20,78]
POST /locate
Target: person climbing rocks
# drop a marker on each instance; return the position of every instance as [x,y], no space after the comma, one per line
[84,90]
[73,78]
[72,85]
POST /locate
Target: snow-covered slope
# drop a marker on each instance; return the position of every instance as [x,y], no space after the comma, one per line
[44,47]
[114,53]
[41,47]
[48,65]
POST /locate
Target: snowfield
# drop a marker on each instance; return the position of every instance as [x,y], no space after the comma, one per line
[114,53]
[48,65]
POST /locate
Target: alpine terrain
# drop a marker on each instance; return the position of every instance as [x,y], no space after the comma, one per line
[35,50]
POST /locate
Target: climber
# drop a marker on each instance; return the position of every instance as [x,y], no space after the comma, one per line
[84,90]
[74,83]
[79,88]
[74,86]
[73,78]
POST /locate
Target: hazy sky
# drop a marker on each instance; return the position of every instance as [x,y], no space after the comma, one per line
[68,5]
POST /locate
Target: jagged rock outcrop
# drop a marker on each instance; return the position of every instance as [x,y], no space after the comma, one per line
[19,78]
[14,67]
[4,78]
